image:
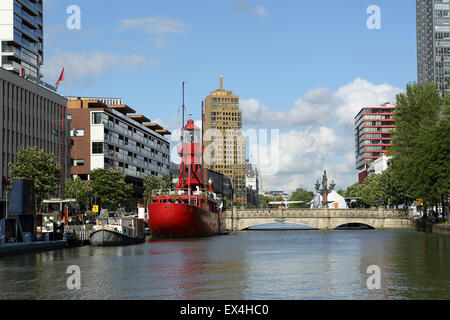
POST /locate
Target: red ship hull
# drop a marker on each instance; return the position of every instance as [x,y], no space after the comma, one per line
[175,220]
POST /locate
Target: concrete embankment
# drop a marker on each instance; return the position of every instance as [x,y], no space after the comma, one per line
[32,247]
[425,226]
[442,229]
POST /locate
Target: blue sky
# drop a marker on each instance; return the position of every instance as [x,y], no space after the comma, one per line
[277,55]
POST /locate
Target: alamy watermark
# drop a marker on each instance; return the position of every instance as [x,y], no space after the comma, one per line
[74,280]
[73,22]
[374,20]
[234,146]
[374,281]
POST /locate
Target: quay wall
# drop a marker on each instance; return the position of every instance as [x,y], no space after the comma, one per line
[424,226]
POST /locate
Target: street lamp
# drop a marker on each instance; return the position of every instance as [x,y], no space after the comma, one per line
[325,190]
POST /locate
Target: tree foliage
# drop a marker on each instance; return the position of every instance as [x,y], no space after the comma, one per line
[422,143]
[110,187]
[354,191]
[79,190]
[379,189]
[39,167]
[301,195]
[263,201]
[152,183]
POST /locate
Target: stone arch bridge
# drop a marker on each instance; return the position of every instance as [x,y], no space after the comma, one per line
[322,219]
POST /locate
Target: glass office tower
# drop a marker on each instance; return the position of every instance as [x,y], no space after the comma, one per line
[433,42]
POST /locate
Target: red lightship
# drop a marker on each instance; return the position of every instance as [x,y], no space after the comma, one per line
[193,209]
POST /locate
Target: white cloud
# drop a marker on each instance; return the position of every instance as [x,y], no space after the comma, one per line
[247,6]
[321,106]
[154,25]
[83,65]
[58,34]
[305,154]
[359,93]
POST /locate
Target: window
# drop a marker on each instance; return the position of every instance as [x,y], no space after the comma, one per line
[76,133]
[96,118]
[78,163]
[97,147]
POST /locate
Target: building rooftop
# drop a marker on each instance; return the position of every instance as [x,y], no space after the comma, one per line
[86,103]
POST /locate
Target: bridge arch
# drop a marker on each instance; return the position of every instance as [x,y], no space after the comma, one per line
[285,226]
[355,226]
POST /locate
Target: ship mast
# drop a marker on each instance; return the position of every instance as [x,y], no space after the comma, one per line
[182,117]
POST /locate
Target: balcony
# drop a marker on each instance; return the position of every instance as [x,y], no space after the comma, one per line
[32,6]
[21,55]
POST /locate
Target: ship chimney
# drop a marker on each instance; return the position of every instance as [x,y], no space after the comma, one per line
[221,82]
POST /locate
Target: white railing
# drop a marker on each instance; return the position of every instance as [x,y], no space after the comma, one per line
[183,192]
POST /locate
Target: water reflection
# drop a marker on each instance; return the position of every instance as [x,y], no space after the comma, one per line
[250,265]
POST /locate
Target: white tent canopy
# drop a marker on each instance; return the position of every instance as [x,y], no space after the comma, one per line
[335,201]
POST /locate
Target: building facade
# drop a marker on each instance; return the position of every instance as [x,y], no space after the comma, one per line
[252,184]
[21,37]
[433,42]
[110,136]
[379,165]
[373,135]
[223,139]
[30,116]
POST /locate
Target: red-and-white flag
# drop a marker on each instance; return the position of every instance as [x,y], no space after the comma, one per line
[61,78]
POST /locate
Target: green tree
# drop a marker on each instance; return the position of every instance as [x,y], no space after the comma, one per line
[39,167]
[263,201]
[421,143]
[372,191]
[301,195]
[152,183]
[395,192]
[354,191]
[79,190]
[110,187]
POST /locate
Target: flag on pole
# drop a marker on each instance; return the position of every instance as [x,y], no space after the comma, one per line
[61,78]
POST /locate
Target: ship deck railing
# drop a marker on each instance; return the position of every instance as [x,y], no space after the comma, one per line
[183,192]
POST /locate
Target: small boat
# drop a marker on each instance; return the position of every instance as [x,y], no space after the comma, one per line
[118,232]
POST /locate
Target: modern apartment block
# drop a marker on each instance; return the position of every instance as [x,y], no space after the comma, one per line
[373,135]
[21,37]
[223,119]
[433,42]
[111,136]
[30,115]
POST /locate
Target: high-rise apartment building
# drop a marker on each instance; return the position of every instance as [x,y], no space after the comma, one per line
[433,42]
[21,37]
[111,136]
[373,135]
[223,139]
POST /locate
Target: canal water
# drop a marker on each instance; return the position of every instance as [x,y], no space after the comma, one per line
[258,265]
